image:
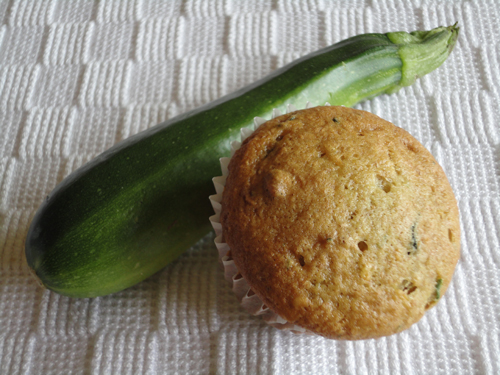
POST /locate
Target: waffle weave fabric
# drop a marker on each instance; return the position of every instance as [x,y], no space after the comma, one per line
[78,76]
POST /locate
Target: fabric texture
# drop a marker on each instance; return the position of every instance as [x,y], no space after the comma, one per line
[78,76]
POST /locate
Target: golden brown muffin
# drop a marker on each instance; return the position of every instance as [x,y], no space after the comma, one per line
[341,222]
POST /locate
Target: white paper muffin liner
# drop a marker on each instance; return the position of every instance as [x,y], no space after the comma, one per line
[248,299]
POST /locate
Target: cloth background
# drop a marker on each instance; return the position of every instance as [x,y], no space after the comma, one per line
[78,76]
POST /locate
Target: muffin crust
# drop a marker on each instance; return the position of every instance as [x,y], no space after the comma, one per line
[341,222]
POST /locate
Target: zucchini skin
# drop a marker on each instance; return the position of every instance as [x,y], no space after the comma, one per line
[138,206]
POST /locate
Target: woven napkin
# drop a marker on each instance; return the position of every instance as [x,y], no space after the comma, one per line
[78,76]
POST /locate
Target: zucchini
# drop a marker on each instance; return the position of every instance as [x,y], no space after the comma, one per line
[138,206]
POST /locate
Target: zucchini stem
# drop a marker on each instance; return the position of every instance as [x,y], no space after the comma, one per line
[423,51]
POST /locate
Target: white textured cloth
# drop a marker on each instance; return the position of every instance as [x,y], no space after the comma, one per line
[77,76]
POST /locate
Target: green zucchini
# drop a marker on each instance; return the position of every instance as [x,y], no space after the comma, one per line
[138,206]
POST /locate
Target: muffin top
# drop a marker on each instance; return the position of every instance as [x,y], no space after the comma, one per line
[341,222]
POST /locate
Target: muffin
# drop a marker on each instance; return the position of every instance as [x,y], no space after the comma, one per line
[338,223]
